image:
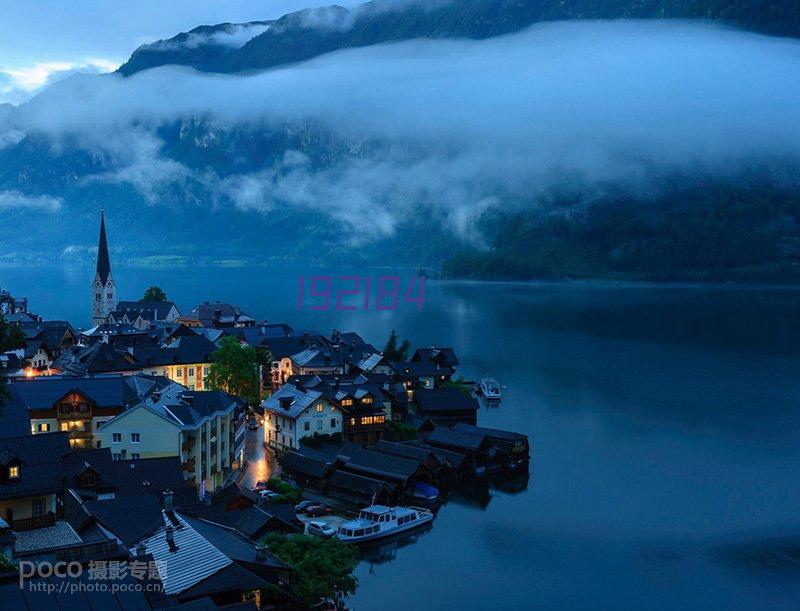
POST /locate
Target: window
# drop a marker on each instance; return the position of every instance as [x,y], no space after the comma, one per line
[306,426]
[319,425]
[97,296]
[191,372]
[135,456]
[98,424]
[367,400]
[333,423]
[37,508]
[87,479]
[44,427]
[135,438]
[64,426]
[320,408]
[110,295]
[116,456]
[99,444]
[116,438]
[347,402]
[352,421]
[13,472]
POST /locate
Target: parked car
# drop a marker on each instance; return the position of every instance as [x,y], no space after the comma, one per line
[320,529]
[316,511]
[269,494]
[303,505]
[261,485]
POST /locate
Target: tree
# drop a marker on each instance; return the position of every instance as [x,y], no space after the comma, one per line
[154,293]
[395,353]
[235,370]
[398,431]
[323,567]
[11,338]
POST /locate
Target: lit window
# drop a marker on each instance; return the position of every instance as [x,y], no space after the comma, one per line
[64,426]
[44,427]
[367,400]
[347,402]
[320,408]
[116,438]
[13,472]
[352,421]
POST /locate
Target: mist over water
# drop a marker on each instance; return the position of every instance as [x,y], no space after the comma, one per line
[458,126]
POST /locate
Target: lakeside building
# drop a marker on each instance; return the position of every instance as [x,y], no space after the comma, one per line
[218,316]
[204,429]
[294,412]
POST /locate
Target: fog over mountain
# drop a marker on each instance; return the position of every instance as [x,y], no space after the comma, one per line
[360,150]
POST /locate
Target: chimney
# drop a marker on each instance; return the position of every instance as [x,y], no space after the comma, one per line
[141,550]
[168,501]
[170,532]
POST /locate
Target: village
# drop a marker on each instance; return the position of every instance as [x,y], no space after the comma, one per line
[198,443]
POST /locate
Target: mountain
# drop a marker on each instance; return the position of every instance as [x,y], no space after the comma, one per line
[344,159]
[309,33]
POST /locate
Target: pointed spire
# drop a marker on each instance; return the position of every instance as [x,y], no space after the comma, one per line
[103,262]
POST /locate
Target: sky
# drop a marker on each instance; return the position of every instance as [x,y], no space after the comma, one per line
[463,125]
[45,40]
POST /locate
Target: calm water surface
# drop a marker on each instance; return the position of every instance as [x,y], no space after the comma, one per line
[664,423]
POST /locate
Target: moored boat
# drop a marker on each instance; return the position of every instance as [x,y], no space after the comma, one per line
[377,521]
[489,389]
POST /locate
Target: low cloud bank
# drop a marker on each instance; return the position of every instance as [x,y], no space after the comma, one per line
[460,126]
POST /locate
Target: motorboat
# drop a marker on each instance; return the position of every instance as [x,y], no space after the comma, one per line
[378,521]
[489,389]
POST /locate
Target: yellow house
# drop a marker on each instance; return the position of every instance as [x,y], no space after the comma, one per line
[186,360]
[205,429]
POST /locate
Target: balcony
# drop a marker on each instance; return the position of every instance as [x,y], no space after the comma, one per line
[188,465]
[44,521]
[188,445]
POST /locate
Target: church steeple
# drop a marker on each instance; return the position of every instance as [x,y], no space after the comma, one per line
[103,262]
[104,290]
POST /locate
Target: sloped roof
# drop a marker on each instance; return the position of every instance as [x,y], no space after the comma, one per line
[162,473]
[97,358]
[194,560]
[42,468]
[456,439]
[131,519]
[383,465]
[149,310]
[301,399]
[305,465]
[359,484]
[491,433]
[183,350]
[445,399]
[103,262]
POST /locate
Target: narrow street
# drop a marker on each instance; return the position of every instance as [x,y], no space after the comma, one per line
[260,463]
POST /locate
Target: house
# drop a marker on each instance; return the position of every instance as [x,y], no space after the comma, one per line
[366,407]
[308,471]
[417,376]
[118,335]
[10,305]
[99,358]
[141,314]
[76,406]
[31,468]
[219,316]
[447,406]
[444,358]
[294,412]
[205,429]
[45,341]
[439,466]
[186,360]
[202,559]
[12,366]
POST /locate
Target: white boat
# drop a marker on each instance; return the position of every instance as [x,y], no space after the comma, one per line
[489,389]
[377,521]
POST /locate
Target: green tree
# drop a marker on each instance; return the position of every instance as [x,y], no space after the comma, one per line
[154,293]
[323,567]
[235,370]
[398,431]
[11,338]
[393,352]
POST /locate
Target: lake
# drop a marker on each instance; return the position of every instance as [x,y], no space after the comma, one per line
[664,424]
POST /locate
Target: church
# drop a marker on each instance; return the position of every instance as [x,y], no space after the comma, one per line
[104,289]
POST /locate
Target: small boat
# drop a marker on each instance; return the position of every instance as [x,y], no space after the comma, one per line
[378,521]
[425,491]
[489,389]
